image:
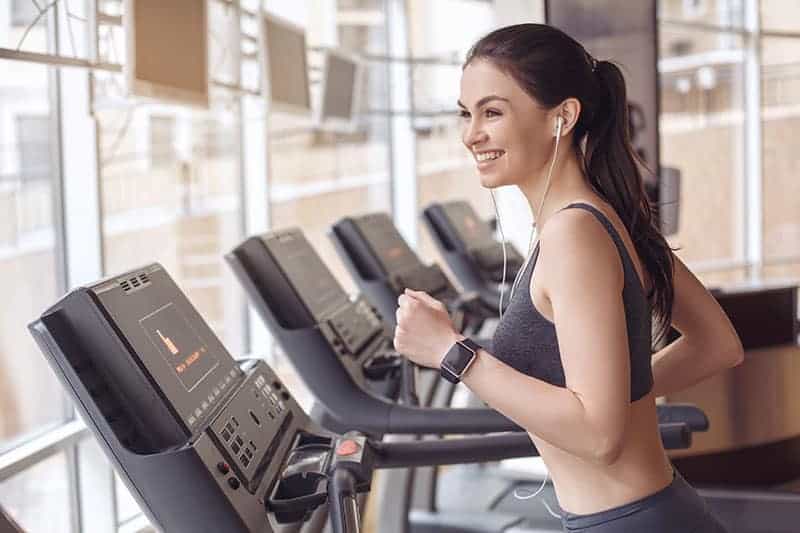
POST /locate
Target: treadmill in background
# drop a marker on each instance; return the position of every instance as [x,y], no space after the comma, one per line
[383,266]
[468,246]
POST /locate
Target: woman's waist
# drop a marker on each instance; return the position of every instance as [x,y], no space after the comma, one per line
[583,487]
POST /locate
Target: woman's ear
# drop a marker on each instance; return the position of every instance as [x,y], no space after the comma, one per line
[569,110]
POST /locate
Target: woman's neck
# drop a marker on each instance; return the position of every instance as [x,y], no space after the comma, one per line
[567,184]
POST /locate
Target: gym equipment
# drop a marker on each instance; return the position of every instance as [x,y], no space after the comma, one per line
[383,266]
[206,443]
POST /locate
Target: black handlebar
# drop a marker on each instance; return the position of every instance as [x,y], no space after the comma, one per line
[452,451]
[342,503]
[684,413]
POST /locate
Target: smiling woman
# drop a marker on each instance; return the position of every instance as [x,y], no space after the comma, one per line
[525,90]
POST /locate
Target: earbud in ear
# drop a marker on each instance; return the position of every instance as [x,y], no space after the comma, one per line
[559,125]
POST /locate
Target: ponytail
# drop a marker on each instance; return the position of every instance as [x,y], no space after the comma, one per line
[612,169]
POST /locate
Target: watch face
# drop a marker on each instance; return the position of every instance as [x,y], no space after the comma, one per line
[458,358]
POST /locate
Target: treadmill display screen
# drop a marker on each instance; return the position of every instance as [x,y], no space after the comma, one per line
[312,280]
[173,343]
[179,345]
[390,247]
[474,231]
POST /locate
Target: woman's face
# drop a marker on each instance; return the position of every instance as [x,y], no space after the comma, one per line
[509,135]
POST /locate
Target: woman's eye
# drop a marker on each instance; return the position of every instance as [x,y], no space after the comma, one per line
[492,113]
[463,114]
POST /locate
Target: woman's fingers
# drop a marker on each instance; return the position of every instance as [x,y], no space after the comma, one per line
[423,297]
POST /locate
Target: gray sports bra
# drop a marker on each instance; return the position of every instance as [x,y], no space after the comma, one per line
[526,340]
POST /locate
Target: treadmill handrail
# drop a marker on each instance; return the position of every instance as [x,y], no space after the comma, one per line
[452,451]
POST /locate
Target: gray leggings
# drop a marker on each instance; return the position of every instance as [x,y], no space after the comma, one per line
[675,509]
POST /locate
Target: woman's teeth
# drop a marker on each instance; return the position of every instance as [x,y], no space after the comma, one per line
[488,156]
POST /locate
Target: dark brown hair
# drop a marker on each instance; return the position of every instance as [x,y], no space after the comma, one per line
[551,66]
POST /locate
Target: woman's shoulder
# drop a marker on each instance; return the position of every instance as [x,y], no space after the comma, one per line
[574,243]
[573,230]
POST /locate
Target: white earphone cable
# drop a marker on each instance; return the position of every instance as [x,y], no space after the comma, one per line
[528,256]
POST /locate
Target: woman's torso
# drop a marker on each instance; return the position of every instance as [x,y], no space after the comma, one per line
[642,467]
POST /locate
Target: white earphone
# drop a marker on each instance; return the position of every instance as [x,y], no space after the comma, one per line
[559,125]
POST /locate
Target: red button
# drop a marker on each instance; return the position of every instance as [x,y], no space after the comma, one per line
[348,447]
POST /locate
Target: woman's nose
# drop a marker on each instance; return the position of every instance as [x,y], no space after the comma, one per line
[474,135]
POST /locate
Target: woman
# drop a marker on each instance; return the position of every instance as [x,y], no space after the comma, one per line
[571,358]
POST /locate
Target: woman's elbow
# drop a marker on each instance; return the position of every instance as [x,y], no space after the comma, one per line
[607,450]
[734,354]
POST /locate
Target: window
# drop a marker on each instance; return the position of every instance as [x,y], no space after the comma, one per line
[445,169]
[23,12]
[780,118]
[780,16]
[39,497]
[162,137]
[33,139]
[694,8]
[171,193]
[702,136]
[28,259]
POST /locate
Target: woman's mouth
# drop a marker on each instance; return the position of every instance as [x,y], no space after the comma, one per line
[487,158]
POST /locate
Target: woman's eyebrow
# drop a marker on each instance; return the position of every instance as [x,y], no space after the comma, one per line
[485,100]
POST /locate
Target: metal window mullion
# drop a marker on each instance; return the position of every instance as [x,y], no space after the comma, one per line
[402,141]
[82,221]
[41,448]
[54,35]
[255,199]
[753,221]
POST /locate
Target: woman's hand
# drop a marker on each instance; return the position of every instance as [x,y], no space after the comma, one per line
[424,332]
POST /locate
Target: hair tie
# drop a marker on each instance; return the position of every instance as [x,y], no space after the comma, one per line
[594,64]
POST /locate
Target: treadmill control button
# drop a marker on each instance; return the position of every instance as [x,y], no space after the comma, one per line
[223,467]
[348,447]
[233,483]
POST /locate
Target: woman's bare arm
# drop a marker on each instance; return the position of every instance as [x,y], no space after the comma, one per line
[708,342]
[581,273]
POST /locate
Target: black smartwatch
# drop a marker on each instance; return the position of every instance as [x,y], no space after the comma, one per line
[458,359]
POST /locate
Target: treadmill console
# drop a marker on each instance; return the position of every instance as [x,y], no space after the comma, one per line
[458,228]
[301,292]
[169,403]
[187,364]
[376,248]
[467,223]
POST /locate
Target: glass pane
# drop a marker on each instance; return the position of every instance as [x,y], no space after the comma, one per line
[722,13]
[780,15]
[94,482]
[780,116]
[171,191]
[38,498]
[27,250]
[127,507]
[25,26]
[445,169]
[701,128]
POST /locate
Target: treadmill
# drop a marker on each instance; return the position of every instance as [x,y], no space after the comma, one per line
[206,443]
[334,341]
[468,246]
[383,266]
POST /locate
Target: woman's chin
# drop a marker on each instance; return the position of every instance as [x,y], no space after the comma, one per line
[490,180]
